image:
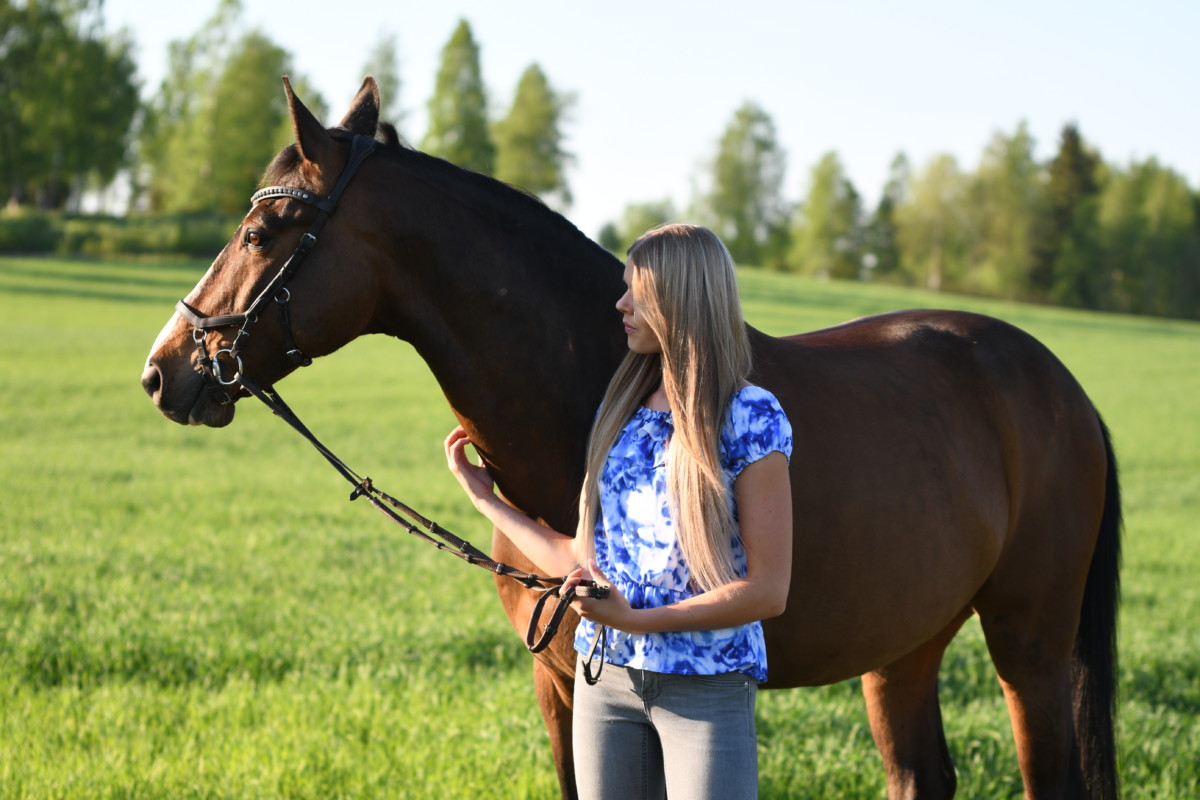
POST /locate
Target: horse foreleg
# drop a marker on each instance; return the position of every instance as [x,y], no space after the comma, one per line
[554,693]
[553,668]
[906,721]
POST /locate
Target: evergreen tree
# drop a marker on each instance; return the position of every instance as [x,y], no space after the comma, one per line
[746,206]
[1071,182]
[529,151]
[883,249]
[458,121]
[827,235]
[1079,271]
[383,65]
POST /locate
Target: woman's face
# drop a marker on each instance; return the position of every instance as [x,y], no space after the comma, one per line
[638,335]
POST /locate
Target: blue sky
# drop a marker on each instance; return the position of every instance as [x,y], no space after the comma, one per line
[657,82]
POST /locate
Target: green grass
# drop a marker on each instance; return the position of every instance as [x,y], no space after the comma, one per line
[196,613]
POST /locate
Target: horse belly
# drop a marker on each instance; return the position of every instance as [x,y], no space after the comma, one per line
[882,565]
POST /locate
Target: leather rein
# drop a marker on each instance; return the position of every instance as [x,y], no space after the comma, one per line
[404,516]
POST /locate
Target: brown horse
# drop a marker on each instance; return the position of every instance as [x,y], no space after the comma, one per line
[946,463]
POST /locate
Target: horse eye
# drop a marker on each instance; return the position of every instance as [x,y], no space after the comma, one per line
[256,240]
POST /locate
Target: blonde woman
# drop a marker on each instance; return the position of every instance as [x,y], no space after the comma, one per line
[686,513]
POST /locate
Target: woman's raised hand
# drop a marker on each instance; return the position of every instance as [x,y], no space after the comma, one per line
[474,478]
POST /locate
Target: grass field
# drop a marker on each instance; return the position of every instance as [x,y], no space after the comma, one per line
[190,613]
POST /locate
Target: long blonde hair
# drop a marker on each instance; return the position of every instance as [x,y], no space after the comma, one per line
[684,283]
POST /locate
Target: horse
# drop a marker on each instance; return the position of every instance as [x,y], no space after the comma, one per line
[946,463]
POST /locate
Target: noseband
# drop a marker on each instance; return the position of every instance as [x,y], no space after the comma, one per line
[361,147]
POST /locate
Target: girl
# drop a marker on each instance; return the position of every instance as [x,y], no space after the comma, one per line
[685,513]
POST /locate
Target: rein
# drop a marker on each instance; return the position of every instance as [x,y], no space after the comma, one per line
[442,539]
[413,522]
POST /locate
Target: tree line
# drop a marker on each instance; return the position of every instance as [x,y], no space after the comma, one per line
[70,117]
[1074,230]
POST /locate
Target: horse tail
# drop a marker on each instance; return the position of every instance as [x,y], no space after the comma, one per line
[1094,669]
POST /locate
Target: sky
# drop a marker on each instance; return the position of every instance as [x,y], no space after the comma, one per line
[657,83]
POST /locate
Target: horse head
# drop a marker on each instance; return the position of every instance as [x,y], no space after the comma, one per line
[298,300]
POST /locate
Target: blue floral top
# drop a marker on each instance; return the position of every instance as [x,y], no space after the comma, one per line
[638,552]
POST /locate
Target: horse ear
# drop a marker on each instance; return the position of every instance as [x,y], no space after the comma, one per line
[363,116]
[312,139]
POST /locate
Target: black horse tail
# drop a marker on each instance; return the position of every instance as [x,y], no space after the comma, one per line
[1094,659]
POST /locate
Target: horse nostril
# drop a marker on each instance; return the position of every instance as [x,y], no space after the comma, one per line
[151,380]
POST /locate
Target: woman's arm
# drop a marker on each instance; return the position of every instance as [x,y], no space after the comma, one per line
[551,551]
[764,500]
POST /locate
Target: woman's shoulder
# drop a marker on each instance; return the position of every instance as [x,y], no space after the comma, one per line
[753,396]
[754,426]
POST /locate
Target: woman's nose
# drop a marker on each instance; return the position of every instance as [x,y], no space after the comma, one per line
[623,305]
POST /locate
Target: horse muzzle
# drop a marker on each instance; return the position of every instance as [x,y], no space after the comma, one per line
[188,399]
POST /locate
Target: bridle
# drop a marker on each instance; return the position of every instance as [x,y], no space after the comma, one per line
[276,290]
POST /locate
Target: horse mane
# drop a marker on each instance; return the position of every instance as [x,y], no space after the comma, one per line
[509,206]
[395,143]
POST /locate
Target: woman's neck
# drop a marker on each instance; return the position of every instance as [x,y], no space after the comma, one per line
[657,400]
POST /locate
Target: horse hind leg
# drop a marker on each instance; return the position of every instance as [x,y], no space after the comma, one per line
[1034,667]
[1029,610]
[906,720]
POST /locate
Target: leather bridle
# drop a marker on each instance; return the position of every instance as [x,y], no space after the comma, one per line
[276,290]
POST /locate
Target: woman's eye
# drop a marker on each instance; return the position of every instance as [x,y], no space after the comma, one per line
[256,240]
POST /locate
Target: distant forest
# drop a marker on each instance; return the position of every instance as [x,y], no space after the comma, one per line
[1075,230]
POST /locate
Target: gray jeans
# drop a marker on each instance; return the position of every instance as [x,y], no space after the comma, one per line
[640,734]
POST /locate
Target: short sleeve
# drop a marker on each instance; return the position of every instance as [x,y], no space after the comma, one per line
[755,427]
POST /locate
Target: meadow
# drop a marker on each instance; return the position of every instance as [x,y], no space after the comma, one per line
[196,613]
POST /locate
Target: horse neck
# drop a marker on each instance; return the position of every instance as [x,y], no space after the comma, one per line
[512,309]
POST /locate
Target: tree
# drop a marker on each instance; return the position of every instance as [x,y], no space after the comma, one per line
[1009,202]
[635,220]
[383,66]
[745,206]
[248,107]
[458,121]
[218,118]
[529,151]
[827,234]
[1150,242]
[931,226]
[1079,277]
[67,100]
[176,132]
[1071,181]
[882,247]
